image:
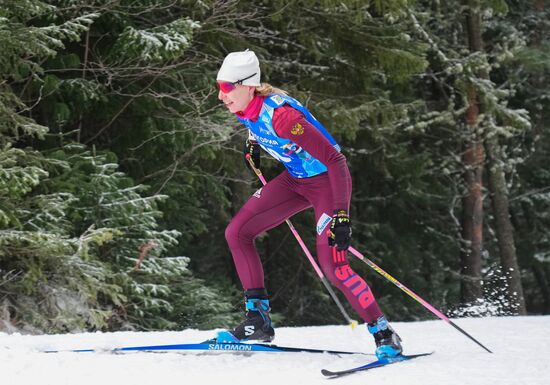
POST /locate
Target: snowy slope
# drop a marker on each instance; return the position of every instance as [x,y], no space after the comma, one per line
[521,346]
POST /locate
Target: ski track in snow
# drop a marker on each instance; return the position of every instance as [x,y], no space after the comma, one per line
[521,347]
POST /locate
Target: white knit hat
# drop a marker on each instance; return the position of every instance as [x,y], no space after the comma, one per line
[240,65]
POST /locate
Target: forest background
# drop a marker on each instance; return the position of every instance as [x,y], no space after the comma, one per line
[119,168]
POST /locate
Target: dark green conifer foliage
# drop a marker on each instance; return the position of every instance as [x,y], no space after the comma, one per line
[112,139]
[71,223]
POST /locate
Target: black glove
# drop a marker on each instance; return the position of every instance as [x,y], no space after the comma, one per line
[252,148]
[340,230]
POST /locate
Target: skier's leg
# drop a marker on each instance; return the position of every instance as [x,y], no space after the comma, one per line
[336,268]
[267,208]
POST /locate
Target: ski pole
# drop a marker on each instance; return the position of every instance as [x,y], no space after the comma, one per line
[413,295]
[353,323]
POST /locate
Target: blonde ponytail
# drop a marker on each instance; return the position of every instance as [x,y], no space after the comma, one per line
[267,89]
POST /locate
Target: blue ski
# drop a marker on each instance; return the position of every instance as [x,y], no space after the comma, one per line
[376,364]
[210,346]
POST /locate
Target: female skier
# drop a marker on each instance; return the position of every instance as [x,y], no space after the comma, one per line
[316,176]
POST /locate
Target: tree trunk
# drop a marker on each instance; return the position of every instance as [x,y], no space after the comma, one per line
[497,186]
[472,203]
[504,228]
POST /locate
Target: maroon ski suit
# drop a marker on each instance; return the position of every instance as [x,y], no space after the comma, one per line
[285,196]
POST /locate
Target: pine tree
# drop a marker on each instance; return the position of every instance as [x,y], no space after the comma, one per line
[71,223]
[468,85]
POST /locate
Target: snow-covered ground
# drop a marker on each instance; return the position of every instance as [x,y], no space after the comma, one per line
[521,348]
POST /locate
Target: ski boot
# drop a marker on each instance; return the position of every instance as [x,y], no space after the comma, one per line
[256,326]
[388,343]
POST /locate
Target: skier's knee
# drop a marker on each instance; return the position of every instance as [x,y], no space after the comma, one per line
[232,231]
[339,275]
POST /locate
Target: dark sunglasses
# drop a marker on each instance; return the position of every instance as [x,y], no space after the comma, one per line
[227,87]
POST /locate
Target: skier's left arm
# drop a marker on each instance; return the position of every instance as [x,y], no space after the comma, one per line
[310,139]
[285,122]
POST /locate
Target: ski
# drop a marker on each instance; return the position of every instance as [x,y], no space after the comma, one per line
[209,346]
[375,364]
